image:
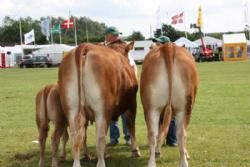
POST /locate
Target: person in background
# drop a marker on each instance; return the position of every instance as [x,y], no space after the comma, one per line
[171,139]
[111,35]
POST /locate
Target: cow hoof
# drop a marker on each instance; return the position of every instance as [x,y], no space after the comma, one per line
[136,153]
[63,157]
[188,157]
[54,163]
[107,156]
[157,154]
[151,164]
[86,157]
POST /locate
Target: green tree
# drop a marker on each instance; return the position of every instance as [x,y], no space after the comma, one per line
[10,31]
[136,35]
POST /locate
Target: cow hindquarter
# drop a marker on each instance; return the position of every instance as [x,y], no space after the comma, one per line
[69,96]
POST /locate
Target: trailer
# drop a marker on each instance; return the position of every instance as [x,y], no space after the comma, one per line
[141,48]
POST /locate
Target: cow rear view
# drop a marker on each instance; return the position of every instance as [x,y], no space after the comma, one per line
[98,84]
[48,108]
[169,82]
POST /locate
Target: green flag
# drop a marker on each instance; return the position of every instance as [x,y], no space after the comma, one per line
[56,28]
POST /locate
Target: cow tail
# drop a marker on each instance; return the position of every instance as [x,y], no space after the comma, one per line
[168,52]
[80,57]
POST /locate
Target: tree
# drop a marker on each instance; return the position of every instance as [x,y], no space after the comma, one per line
[136,36]
[10,31]
[170,32]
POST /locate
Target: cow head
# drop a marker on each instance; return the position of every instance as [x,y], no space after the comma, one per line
[122,47]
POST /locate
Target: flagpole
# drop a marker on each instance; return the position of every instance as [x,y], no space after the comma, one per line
[86,27]
[75,32]
[34,38]
[51,33]
[20,26]
[185,26]
[60,36]
[51,36]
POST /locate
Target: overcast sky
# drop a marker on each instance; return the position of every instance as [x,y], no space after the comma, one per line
[135,15]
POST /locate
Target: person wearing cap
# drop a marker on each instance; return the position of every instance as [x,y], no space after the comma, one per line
[161,40]
[111,35]
[171,139]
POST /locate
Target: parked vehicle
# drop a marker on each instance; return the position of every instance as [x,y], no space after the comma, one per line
[36,61]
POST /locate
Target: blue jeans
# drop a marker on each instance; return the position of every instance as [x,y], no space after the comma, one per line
[114,132]
[171,136]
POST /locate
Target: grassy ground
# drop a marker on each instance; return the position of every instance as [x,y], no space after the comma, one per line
[218,136]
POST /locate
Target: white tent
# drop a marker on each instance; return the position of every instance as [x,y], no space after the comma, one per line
[184,41]
[16,52]
[54,52]
[189,45]
[214,42]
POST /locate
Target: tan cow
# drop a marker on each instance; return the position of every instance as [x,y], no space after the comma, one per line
[48,108]
[98,84]
[169,82]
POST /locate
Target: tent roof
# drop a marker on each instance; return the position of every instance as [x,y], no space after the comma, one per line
[184,41]
[56,48]
[209,41]
[234,38]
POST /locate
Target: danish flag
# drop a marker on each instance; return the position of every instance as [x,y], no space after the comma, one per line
[177,18]
[66,24]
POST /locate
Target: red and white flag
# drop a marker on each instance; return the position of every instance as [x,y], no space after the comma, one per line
[66,24]
[177,18]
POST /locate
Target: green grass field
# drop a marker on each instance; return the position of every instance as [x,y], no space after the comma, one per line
[218,135]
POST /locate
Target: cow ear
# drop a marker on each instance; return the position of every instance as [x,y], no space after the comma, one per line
[130,46]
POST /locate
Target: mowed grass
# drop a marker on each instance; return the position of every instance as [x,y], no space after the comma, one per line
[218,135]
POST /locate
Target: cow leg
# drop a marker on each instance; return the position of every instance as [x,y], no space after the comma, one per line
[163,129]
[130,123]
[55,143]
[101,129]
[152,119]
[77,130]
[86,155]
[65,138]
[189,107]
[181,138]
[43,133]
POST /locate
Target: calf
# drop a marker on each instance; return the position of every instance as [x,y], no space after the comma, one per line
[48,108]
[169,82]
[97,83]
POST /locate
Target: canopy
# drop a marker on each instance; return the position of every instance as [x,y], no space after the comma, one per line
[184,41]
[234,38]
[209,41]
[56,48]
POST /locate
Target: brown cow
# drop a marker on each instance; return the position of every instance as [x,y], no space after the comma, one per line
[98,84]
[48,108]
[169,82]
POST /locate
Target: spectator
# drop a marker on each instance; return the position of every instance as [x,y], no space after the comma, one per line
[111,35]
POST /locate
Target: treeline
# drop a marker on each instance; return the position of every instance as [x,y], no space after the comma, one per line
[87,30]
[85,27]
